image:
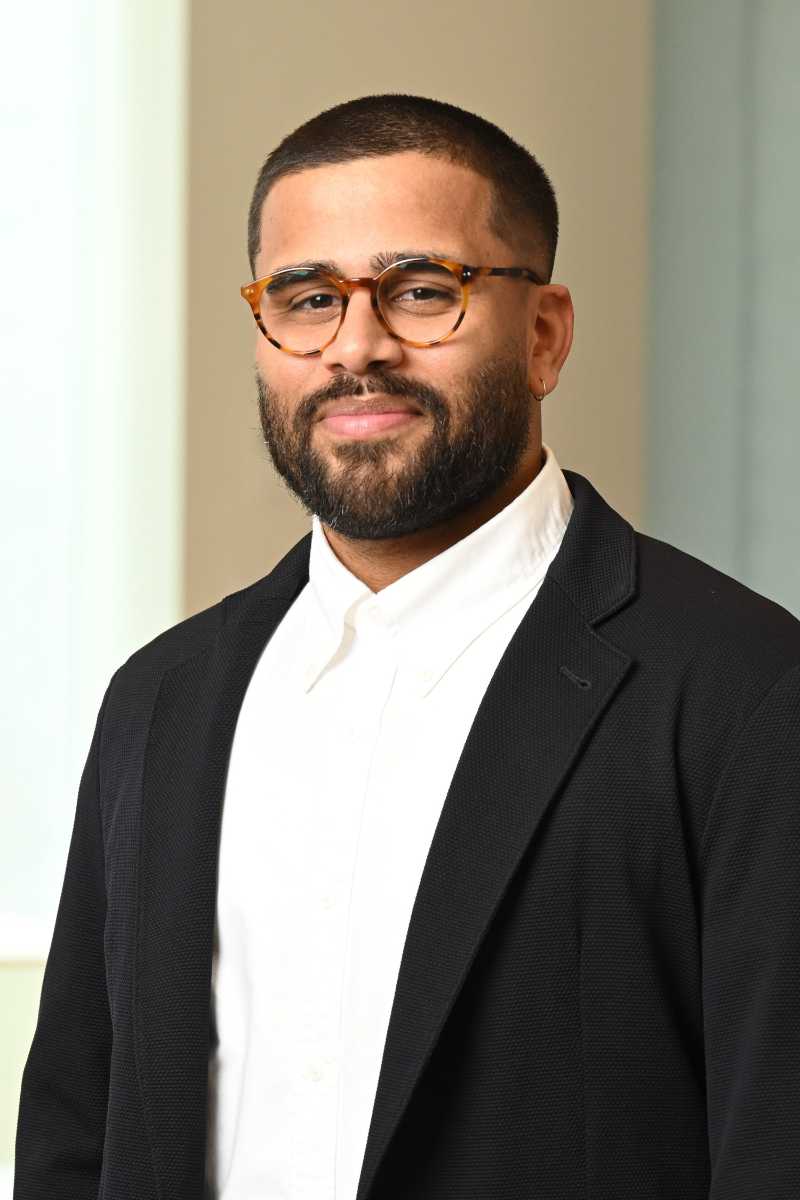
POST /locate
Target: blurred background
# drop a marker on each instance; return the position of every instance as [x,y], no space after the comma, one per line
[135,488]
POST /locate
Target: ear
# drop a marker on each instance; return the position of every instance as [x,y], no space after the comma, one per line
[550,336]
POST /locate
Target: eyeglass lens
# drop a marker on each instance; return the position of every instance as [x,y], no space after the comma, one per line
[419,300]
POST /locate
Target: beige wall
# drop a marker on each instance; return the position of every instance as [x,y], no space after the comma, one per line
[569,80]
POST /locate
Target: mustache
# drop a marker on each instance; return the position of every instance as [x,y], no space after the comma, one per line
[386,384]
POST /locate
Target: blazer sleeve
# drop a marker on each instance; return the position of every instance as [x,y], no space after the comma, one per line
[750,862]
[64,1092]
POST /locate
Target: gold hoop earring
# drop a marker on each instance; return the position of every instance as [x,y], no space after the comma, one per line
[544,390]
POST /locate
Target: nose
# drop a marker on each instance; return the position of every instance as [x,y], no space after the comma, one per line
[362,343]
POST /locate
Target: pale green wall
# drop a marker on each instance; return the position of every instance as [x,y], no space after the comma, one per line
[723,413]
[92,357]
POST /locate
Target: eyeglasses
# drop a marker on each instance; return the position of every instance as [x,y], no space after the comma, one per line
[419,301]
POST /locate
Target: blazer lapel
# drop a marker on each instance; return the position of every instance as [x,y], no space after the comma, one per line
[188,750]
[554,681]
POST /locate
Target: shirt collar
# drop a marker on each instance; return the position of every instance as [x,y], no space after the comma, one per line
[433,612]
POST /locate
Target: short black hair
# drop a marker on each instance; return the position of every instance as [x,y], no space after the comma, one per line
[524,212]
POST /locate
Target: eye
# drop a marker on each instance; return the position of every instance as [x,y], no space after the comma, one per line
[299,297]
[421,297]
[317,301]
[421,288]
[421,292]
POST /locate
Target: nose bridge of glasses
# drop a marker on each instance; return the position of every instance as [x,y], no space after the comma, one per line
[350,285]
[369,282]
[347,287]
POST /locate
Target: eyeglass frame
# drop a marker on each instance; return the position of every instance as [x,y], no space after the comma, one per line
[252,292]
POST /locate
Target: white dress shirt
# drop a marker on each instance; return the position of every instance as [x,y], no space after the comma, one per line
[348,736]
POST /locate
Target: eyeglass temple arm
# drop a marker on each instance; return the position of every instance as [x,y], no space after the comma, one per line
[470,273]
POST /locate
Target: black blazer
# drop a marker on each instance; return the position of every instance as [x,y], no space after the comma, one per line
[599,994]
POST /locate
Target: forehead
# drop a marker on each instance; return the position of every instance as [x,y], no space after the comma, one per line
[349,211]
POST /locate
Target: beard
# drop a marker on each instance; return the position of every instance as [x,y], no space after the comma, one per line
[388,487]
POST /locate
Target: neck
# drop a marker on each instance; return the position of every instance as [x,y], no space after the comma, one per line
[380,562]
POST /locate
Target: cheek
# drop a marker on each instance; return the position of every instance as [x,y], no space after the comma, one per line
[486,330]
[264,356]
[274,367]
[286,378]
[502,323]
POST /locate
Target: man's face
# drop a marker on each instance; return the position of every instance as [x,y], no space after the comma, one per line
[475,420]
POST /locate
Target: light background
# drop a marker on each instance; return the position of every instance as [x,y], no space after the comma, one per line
[135,488]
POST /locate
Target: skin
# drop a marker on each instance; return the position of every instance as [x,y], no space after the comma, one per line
[393,500]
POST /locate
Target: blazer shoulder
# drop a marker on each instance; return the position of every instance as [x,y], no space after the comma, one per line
[134,684]
[189,636]
[714,612]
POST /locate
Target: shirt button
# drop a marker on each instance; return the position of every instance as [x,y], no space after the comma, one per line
[314,1073]
[328,902]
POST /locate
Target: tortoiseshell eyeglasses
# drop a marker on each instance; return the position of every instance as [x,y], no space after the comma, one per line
[419,301]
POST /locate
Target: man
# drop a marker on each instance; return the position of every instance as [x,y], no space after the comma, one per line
[459,856]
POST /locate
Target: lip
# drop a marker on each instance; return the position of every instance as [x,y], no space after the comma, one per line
[369,404]
[362,424]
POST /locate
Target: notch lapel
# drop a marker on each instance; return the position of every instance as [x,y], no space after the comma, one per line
[529,729]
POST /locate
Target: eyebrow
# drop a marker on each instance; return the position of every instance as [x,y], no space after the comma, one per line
[378,262]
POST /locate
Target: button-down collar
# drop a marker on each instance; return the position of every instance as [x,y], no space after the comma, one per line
[431,614]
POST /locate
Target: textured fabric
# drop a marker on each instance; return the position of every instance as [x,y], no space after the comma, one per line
[597,995]
[384,687]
